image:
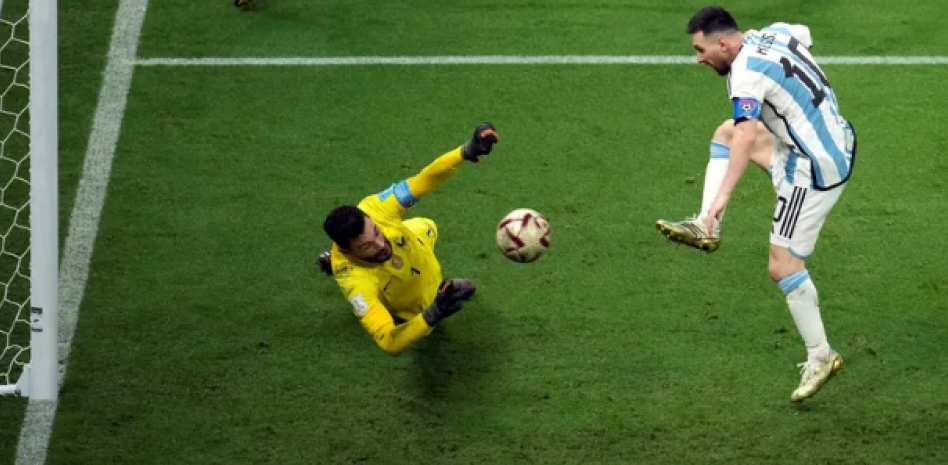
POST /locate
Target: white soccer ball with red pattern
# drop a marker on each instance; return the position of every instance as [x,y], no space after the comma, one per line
[523,235]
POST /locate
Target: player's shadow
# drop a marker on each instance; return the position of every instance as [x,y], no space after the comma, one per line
[454,366]
[450,357]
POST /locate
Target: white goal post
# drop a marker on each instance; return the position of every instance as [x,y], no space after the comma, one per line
[29,205]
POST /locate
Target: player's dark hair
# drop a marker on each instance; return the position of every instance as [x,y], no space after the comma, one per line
[710,20]
[344,224]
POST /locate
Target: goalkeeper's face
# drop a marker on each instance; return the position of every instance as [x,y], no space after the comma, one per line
[371,245]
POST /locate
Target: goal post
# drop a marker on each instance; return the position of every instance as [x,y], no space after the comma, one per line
[29,263]
[43,381]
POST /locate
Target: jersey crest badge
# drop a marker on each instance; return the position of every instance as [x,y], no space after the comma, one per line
[397,262]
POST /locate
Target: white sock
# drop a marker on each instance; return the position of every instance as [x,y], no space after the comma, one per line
[805,309]
[713,175]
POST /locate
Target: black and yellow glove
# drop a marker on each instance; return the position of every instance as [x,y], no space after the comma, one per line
[485,136]
[448,300]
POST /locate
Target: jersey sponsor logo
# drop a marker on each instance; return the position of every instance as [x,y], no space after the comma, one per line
[359,305]
[400,241]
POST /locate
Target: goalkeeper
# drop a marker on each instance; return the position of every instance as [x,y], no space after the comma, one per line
[387,267]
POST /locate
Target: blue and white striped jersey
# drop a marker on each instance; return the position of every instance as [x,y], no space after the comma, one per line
[775,79]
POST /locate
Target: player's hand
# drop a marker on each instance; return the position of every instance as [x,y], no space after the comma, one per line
[485,136]
[714,213]
[447,302]
[462,289]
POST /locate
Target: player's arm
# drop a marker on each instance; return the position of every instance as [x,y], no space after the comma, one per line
[392,338]
[435,174]
[747,92]
[445,166]
[399,197]
[746,115]
[362,292]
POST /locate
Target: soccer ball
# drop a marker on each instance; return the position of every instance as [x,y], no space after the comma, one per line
[523,235]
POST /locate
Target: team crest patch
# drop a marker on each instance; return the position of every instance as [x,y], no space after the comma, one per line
[397,262]
[359,305]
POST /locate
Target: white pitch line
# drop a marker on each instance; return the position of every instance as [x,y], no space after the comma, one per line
[87,210]
[509,60]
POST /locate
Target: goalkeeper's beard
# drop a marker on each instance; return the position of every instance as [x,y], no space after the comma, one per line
[384,254]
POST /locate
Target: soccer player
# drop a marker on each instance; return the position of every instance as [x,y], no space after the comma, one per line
[387,267]
[775,84]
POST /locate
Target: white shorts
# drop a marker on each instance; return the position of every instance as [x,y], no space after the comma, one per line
[800,210]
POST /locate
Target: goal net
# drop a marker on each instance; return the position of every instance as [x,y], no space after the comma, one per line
[28,199]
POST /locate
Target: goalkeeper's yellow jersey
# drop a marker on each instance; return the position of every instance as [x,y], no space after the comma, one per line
[405,284]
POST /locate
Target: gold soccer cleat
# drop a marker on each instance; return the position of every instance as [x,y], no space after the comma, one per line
[690,232]
[816,375]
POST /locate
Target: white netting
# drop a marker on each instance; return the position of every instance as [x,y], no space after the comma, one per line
[14,190]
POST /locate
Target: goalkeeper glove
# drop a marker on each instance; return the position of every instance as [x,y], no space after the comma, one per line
[447,301]
[485,136]
[324,262]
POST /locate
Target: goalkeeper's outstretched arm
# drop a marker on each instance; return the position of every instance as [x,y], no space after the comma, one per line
[394,339]
[445,166]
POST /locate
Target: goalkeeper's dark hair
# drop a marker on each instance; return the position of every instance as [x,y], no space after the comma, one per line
[344,224]
[710,20]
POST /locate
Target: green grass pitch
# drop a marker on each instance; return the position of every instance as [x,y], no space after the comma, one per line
[205,335]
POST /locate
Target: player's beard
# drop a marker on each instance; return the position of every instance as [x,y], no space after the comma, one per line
[384,254]
[722,69]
